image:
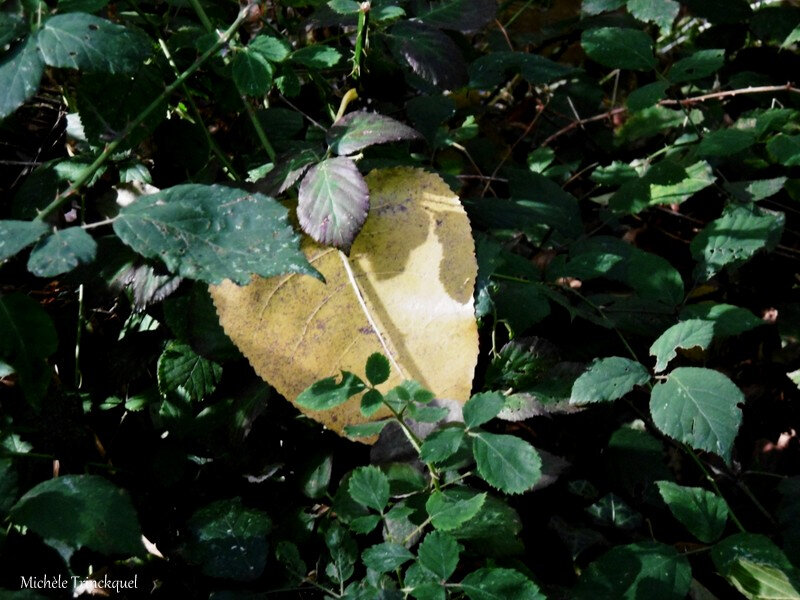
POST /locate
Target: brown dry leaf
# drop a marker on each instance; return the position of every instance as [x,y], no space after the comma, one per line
[415,265]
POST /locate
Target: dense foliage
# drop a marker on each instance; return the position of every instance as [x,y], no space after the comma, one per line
[629,169]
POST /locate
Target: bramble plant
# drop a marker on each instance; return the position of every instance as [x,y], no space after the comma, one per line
[560,234]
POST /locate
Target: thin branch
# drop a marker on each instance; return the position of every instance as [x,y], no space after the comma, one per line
[764,89]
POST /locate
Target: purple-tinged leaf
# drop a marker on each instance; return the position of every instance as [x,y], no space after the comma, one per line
[360,129]
[333,202]
[430,54]
[288,169]
[460,15]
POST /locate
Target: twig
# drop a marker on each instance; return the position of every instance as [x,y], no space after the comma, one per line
[764,89]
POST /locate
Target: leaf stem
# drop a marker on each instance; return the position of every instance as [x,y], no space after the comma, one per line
[86,174]
[262,135]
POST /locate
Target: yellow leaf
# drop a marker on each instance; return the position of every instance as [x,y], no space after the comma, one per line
[414,264]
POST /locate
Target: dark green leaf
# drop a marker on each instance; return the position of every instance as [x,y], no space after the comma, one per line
[439,553]
[608,379]
[698,407]
[252,72]
[61,252]
[87,6]
[499,584]
[182,371]
[506,462]
[686,334]
[493,69]
[619,48]
[447,513]
[16,235]
[82,511]
[212,232]
[461,15]
[317,476]
[630,572]
[785,149]
[288,555]
[20,72]
[662,12]
[482,407]
[317,57]
[647,95]
[229,540]
[702,512]
[441,444]
[343,552]
[612,511]
[720,11]
[360,129]
[88,43]
[724,142]
[700,64]
[333,202]
[272,48]
[370,487]
[287,170]
[734,238]
[756,567]
[386,556]
[377,368]
[327,393]
[697,176]
[12,26]
[8,486]
[430,54]
[371,401]
[728,320]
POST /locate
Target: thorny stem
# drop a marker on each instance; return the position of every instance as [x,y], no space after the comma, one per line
[87,173]
[764,89]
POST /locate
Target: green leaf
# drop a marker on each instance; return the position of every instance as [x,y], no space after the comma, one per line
[386,556]
[370,487]
[27,337]
[12,26]
[648,569]
[785,149]
[357,130]
[430,54]
[181,370]
[608,379]
[229,540]
[333,202]
[252,72]
[702,512]
[698,407]
[287,170]
[647,95]
[344,7]
[343,552]
[365,429]
[439,553]
[461,15]
[212,232]
[317,56]
[612,511]
[499,584]
[317,476]
[20,71]
[687,334]
[377,368]
[596,7]
[753,191]
[734,238]
[728,320]
[757,567]
[88,43]
[16,235]
[698,176]
[272,48]
[725,142]
[792,38]
[289,556]
[506,462]
[619,48]
[661,12]
[482,407]
[700,64]
[371,401]
[386,12]
[327,393]
[87,6]
[82,511]
[441,444]
[491,70]
[404,478]
[447,513]
[61,252]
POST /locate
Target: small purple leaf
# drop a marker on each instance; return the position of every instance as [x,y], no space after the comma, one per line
[360,129]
